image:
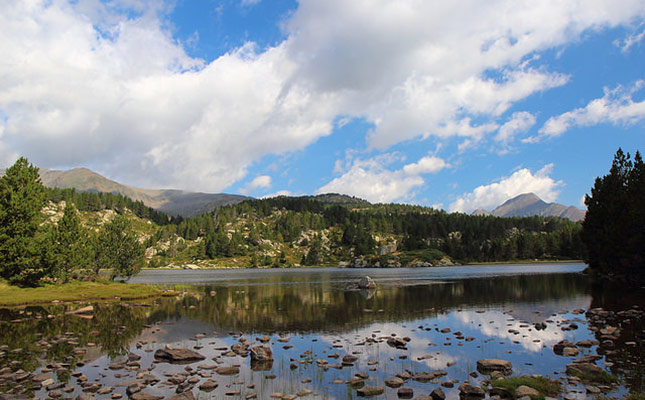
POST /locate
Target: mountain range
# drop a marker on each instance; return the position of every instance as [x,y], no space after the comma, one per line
[189,204]
[528,204]
[170,201]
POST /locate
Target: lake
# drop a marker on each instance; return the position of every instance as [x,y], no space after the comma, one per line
[445,319]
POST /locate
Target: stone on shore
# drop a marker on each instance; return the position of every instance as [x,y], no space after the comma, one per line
[487,365]
[366,283]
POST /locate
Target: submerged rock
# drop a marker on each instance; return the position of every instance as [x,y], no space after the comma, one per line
[369,391]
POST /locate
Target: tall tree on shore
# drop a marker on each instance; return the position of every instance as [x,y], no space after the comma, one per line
[614,226]
[22,196]
[118,250]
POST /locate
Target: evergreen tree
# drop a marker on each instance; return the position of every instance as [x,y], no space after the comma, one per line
[22,196]
[614,226]
[69,251]
[118,250]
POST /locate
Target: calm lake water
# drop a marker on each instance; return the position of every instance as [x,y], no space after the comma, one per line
[452,317]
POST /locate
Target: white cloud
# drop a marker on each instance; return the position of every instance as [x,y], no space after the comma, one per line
[616,107]
[521,181]
[92,84]
[632,40]
[278,193]
[520,122]
[260,181]
[370,180]
[426,165]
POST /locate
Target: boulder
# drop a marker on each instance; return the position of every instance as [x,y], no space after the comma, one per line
[261,353]
[585,369]
[469,391]
[183,396]
[438,394]
[405,393]
[559,347]
[366,283]
[397,343]
[178,356]
[227,370]
[394,382]
[488,365]
[145,396]
[369,391]
[524,390]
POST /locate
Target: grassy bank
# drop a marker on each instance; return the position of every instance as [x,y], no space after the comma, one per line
[75,291]
[514,262]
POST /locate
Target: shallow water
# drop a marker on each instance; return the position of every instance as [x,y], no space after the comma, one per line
[312,314]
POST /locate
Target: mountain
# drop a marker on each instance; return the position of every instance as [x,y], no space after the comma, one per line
[529,204]
[172,202]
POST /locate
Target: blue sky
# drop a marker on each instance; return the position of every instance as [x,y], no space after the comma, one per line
[456,105]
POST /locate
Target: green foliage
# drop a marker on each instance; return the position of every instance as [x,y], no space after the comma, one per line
[68,250]
[613,229]
[602,377]
[118,250]
[545,386]
[22,196]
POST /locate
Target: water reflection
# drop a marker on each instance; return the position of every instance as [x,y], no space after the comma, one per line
[450,323]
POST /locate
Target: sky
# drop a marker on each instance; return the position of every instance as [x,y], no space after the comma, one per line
[455,105]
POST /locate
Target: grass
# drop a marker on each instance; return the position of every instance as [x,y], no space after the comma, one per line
[636,396]
[546,387]
[602,377]
[74,291]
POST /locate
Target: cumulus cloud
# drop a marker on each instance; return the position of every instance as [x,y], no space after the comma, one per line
[106,85]
[520,122]
[426,165]
[371,180]
[260,181]
[616,107]
[521,181]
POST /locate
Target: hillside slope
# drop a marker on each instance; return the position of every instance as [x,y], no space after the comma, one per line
[529,204]
[172,202]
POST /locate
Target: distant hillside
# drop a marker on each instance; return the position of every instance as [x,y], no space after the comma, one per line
[172,202]
[529,204]
[335,198]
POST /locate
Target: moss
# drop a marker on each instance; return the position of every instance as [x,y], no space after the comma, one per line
[73,291]
[545,386]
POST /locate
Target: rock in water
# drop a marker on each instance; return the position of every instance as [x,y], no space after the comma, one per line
[369,391]
[366,283]
[489,365]
[438,394]
[469,391]
[183,396]
[261,353]
[178,356]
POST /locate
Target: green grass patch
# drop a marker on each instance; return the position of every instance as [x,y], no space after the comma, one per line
[636,396]
[74,291]
[602,377]
[545,386]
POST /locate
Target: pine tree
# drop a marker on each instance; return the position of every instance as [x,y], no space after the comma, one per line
[22,196]
[118,250]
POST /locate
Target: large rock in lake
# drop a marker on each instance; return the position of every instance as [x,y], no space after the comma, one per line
[261,353]
[178,356]
[489,365]
[366,283]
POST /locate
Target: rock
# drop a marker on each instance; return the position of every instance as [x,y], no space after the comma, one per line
[89,310]
[500,392]
[369,391]
[558,348]
[178,356]
[261,353]
[438,394]
[397,342]
[183,396]
[467,390]
[366,283]
[227,370]
[584,369]
[387,249]
[488,365]
[349,359]
[208,386]
[405,393]
[304,392]
[145,396]
[570,351]
[394,382]
[587,343]
[524,390]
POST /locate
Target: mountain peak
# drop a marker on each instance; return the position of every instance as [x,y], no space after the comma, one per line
[528,204]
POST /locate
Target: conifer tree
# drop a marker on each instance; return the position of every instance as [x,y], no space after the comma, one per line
[22,196]
[118,250]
